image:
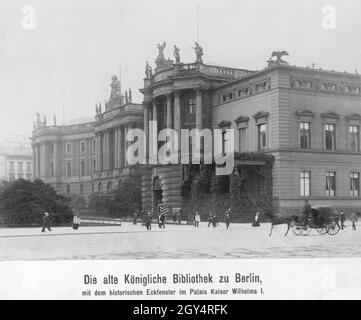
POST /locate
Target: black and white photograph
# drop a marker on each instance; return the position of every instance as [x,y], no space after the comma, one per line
[169,149]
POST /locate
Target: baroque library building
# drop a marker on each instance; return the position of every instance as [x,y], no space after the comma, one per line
[296,137]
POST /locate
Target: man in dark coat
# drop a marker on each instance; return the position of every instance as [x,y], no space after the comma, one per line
[46,222]
[342,219]
[148,220]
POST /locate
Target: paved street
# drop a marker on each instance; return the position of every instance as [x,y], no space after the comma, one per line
[175,242]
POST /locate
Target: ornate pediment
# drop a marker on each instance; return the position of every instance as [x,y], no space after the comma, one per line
[305,113]
[241,119]
[261,114]
[330,114]
[353,116]
[224,124]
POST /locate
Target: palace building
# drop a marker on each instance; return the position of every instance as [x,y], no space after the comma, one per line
[87,157]
[306,120]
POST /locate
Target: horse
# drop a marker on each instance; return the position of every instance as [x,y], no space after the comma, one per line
[275,221]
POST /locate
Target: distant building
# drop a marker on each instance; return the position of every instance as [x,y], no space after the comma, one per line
[15,158]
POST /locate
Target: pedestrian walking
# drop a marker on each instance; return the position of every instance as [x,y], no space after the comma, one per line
[148,221]
[354,220]
[228,218]
[46,222]
[135,217]
[256,220]
[197,219]
[215,220]
[210,218]
[342,219]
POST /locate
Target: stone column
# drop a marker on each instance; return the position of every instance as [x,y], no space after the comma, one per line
[199,111]
[125,145]
[146,124]
[169,111]
[35,162]
[177,112]
[116,147]
[98,152]
[104,151]
[121,147]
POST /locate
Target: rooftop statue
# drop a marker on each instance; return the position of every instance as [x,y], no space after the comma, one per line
[279,55]
[130,96]
[176,54]
[126,96]
[147,70]
[160,61]
[199,52]
[54,118]
[115,85]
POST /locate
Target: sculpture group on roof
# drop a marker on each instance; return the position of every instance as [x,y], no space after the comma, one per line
[161,62]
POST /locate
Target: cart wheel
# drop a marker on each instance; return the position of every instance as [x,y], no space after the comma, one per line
[322,230]
[333,229]
[296,230]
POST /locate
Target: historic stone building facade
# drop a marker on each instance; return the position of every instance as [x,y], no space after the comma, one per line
[308,120]
[88,157]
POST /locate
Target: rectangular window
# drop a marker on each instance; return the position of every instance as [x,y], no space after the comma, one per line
[82,147]
[191,106]
[28,167]
[68,147]
[330,137]
[305,181]
[68,169]
[11,166]
[28,176]
[243,140]
[355,184]
[81,188]
[68,188]
[94,145]
[305,135]
[354,138]
[20,167]
[331,184]
[262,137]
[94,165]
[51,149]
[82,168]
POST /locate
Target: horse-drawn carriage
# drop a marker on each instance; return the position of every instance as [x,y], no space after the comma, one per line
[323,219]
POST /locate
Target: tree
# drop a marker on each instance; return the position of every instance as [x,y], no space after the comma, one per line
[25,202]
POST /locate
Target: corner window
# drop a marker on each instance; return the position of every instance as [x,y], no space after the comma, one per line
[262,136]
[243,139]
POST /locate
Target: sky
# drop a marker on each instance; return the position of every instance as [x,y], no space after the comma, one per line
[65,61]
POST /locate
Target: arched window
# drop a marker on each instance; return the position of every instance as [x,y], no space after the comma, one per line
[109,186]
[99,187]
